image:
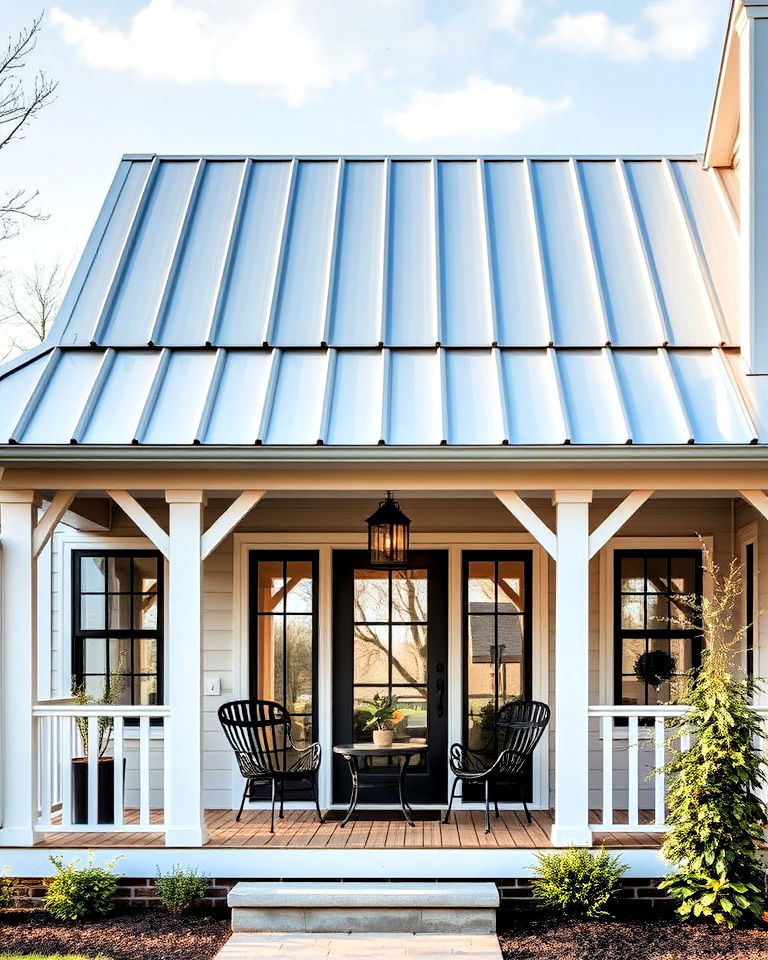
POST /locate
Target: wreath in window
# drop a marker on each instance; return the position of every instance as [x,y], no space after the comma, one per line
[655,667]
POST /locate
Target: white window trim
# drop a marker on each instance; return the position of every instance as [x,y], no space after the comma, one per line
[69,542]
[454,544]
[605,628]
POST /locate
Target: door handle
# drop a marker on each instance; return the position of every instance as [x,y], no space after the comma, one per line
[440,686]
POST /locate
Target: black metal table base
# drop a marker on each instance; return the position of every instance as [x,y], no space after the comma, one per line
[362,779]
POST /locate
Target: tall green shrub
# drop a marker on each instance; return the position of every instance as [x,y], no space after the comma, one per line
[716,819]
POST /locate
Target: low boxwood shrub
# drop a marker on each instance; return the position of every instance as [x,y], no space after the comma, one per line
[180,889]
[6,890]
[577,882]
[77,893]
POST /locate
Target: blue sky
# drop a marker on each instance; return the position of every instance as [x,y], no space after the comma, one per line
[350,76]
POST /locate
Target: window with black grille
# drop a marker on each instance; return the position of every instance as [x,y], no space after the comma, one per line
[117,613]
[656,626]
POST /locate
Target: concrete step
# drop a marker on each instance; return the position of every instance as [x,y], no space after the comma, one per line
[363,907]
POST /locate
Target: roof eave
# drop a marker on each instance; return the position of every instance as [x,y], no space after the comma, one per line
[724,117]
[214,456]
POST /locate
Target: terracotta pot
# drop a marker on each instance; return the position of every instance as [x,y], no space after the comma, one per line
[383,738]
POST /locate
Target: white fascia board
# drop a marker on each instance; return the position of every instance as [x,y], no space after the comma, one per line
[301,863]
[724,115]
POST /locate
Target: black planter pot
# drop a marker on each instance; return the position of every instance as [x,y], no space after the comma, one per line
[106,779]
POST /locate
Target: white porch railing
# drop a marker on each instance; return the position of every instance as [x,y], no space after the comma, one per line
[69,734]
[635,744]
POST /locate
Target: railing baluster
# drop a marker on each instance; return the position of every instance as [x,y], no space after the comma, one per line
[633,759]
[144,771]
[659,779]
[58,738]
[118,754]
[44,745]
[93,771]
[607,725]
[66,771]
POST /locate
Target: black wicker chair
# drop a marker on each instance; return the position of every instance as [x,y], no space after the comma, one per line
[518,728]
[259,731]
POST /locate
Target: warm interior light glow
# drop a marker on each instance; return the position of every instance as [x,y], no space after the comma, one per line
[388,534]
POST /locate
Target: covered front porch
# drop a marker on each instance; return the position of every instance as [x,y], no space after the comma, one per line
[596,774]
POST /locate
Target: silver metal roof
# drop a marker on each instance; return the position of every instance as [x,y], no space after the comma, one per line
[409,301]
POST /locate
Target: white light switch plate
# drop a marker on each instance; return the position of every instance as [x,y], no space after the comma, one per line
[212,686]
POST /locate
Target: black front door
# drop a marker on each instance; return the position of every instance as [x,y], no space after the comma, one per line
[390,637]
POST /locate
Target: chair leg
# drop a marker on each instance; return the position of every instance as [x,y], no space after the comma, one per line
[450,802]
[272,820]
[242,802]
[525,805]
[313,781]
[487,812]
[282,799]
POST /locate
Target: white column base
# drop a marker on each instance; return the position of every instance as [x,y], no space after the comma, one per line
[189,837]
[19,837]
[570,836]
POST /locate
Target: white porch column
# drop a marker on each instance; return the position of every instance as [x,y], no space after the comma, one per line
[18,669]
[571,824]
[184,809]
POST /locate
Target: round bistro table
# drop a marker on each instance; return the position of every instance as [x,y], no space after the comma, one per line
[358,755]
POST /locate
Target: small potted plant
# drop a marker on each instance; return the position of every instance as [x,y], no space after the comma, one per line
[106,765]
[383,716]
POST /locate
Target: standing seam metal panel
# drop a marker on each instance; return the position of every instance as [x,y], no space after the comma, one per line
[193,288]
[246,300]
[576,314]
[139,287]
[356,295]
[411,293]
[300,309]
[465,293]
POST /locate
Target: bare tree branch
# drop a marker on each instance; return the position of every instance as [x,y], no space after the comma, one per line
[19,105]
[28,304]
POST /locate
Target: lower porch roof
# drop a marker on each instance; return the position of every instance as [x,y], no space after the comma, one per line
[485,397]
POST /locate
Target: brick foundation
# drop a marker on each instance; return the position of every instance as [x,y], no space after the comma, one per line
[515,893]
[636,893]
[131,892]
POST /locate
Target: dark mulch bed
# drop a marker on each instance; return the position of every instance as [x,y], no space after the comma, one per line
[139,935]
[537,938]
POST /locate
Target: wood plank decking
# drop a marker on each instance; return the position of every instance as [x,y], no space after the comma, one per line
[301,829]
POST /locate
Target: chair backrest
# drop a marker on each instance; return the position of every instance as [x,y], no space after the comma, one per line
[259,733]
[520,725]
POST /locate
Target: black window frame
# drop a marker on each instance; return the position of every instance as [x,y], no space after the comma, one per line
[285,556]
[497,556]
[656,633]
[80,635]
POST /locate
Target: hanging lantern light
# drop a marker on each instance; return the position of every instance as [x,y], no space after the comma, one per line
[388,535]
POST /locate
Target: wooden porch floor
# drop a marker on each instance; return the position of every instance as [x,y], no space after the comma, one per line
[301,829]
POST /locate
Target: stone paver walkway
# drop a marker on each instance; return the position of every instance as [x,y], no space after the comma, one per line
[365,946]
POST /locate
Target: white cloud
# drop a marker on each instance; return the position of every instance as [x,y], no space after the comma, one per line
[668,29]
[291,49]
[508,14]
[481,109]
[265,44]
